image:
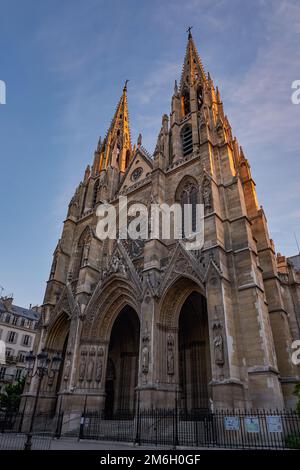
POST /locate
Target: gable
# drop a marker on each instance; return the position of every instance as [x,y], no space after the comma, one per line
[140,167]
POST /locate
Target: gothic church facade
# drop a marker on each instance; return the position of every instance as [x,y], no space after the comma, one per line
[148,320]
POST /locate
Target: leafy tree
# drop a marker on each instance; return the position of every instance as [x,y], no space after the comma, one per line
[11,397]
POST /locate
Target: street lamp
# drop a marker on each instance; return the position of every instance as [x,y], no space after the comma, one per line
[42,361]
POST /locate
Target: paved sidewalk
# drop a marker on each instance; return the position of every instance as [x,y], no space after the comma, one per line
[73,444]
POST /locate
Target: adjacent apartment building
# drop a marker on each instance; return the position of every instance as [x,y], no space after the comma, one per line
[17,330]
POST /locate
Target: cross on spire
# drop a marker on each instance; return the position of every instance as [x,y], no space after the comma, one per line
[125,86]
[189,31]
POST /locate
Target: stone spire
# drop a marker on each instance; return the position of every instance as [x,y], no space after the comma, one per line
[116,148]
[193,70]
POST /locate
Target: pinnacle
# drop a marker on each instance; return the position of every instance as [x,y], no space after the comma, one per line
[192,67]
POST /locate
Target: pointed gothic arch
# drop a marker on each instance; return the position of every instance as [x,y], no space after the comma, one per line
[187,192]
[104,307]
[185,336]
[82,251]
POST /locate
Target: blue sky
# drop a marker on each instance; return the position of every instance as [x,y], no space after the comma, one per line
[64,64]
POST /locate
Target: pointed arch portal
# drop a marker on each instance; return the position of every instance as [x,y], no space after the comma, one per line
[122,363]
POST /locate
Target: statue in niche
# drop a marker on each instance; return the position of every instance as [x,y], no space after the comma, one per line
[218,343]
[91,364]
[170,355]
[99,367]
[67,367]
[82,366]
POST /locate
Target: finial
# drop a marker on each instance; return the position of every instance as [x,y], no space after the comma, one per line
[125,86]
[189,31]
[139,141]
[175,88]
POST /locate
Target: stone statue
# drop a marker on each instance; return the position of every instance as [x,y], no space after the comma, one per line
[145,360]
[85,255]
[82,366]
[91,364]
[219,349]
[90,370]
[67,369]
[170,355]
[99,367]
[145,352]
[117,265]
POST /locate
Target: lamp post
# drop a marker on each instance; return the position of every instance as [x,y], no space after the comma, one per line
[42,361]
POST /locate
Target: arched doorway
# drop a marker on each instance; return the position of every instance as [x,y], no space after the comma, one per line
[57,343]
[194,354]
[122,362]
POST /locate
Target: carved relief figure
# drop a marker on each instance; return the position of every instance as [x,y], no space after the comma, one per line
[82,366]
[67,366]
[99,367]
[170,355]
[145,353]
[91,364]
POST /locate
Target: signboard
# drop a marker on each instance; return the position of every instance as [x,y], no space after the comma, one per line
[251,424]
[232,423]
[274,423]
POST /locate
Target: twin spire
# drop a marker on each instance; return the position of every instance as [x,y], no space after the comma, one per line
[116,150]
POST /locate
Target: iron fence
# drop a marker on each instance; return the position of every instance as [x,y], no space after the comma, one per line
[253,429]
[16,441]
[238,429]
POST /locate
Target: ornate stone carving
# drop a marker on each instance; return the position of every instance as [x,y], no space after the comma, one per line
[135,248]
[117,265]
[170,355]
[137,173]
[207,195]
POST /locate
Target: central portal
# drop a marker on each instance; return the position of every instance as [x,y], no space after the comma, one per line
[122,363]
